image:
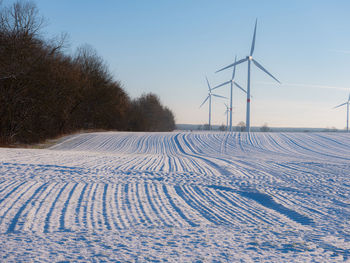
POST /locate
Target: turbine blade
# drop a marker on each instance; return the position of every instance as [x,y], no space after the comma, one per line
[340,105]
[234,69]
[349,98]
[238,86]
[222,84]
[233,64]
[219,96]
[263,69]
[253,42]
[208,83]
[204,101]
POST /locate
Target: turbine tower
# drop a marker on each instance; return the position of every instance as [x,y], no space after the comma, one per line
[210,94]
[250,59]
[232,82]
[347,112]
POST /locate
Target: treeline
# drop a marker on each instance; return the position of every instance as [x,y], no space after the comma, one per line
[45,92]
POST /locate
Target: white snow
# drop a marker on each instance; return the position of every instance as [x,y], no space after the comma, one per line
[178,197]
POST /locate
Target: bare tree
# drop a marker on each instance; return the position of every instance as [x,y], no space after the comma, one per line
[22,18]
[241,126]
[148,114]
[265,128]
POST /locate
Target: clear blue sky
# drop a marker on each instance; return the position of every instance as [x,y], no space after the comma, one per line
[167,47]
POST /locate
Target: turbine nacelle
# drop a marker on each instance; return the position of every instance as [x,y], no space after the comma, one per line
[249,58]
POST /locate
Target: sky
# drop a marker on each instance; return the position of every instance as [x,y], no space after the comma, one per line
[169,47]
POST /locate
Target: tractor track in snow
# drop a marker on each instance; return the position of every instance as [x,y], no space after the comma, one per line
[108,182]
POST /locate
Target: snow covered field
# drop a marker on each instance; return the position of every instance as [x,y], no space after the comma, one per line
[178,197]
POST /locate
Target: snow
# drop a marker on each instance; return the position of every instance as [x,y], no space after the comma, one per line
[178,197]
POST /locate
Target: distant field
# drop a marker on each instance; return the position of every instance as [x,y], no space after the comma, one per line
[182,196]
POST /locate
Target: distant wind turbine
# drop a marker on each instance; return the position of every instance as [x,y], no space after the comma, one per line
[232,82]
[250,59]
[347,112]
[228,109]
[210,94]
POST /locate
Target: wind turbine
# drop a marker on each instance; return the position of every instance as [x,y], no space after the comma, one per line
[228,109]
[250,59]
[232,82]
[347,112]
[210,94]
